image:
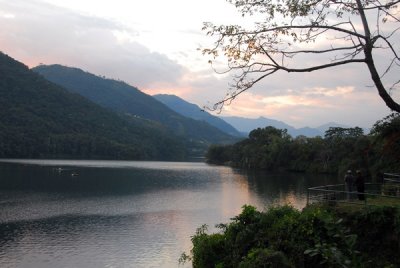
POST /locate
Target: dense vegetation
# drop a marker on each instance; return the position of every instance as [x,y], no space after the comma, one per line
[317,236]
[40,119]
[339,150]
[123,98]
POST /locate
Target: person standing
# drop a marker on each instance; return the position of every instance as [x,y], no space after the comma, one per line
[349,182]
[360,184]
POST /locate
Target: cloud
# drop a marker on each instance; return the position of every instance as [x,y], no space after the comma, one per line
[42,33]
[312,106]
[36,32]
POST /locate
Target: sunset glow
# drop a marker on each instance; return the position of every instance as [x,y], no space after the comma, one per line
[155,47]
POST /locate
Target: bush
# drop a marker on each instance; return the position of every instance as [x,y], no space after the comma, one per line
[263,257]
[208,250]
[317,236]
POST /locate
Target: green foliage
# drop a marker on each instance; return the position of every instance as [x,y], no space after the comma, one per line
[340,133]
[338,247]
[315,237]
[341,149]
[42,120]
[209,248]
[386,134]
[271,148]
[219,153]
[265,148]
[378,232]
[264,257]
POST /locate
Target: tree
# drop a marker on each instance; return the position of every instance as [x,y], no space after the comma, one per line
[387,136]
[357,30]
[342,133]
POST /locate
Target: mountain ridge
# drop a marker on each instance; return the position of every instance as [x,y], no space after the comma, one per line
[123,98]
[245,125]
[191,110]
[242,126]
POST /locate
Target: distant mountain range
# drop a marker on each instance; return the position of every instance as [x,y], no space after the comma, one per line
[245,125]
[130,101]
[238,126]
[193,111]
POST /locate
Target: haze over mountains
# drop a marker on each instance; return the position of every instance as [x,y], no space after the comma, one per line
[238,126]
[193,111]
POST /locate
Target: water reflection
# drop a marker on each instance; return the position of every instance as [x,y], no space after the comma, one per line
[124,213]
[235,193]
[88,241]
[284,187]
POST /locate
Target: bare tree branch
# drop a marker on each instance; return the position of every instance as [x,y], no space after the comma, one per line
[272,45]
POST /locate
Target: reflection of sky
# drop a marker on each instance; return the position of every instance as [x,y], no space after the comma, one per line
[290,198]
[145,218]
[235,193]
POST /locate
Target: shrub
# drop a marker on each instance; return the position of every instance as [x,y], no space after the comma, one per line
[317,236]
[264,257]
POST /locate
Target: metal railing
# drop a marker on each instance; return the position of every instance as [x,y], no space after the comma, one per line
[391,177]
[387,192]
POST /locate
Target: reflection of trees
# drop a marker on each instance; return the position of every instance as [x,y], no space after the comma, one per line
[105,181]
[285,186]
[235,192]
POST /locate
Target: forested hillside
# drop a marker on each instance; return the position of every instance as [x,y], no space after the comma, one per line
[340,149]
[41,119]
[123,98]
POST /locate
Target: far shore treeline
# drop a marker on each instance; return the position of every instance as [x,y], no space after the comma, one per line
[340,149]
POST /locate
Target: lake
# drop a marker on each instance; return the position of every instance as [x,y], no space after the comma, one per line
[79,213]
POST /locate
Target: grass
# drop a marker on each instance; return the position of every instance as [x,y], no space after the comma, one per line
[357,205]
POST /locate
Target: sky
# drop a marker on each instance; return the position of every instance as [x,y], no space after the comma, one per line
[154,46]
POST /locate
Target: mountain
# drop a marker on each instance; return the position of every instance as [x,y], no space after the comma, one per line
[125,99]
[246,125]
[42,120]
[306,131]
[193,111]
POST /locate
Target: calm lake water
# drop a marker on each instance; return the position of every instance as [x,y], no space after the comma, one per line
[64,213]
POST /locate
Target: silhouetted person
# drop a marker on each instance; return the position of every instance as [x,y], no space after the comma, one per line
[349,182]
[360,184]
